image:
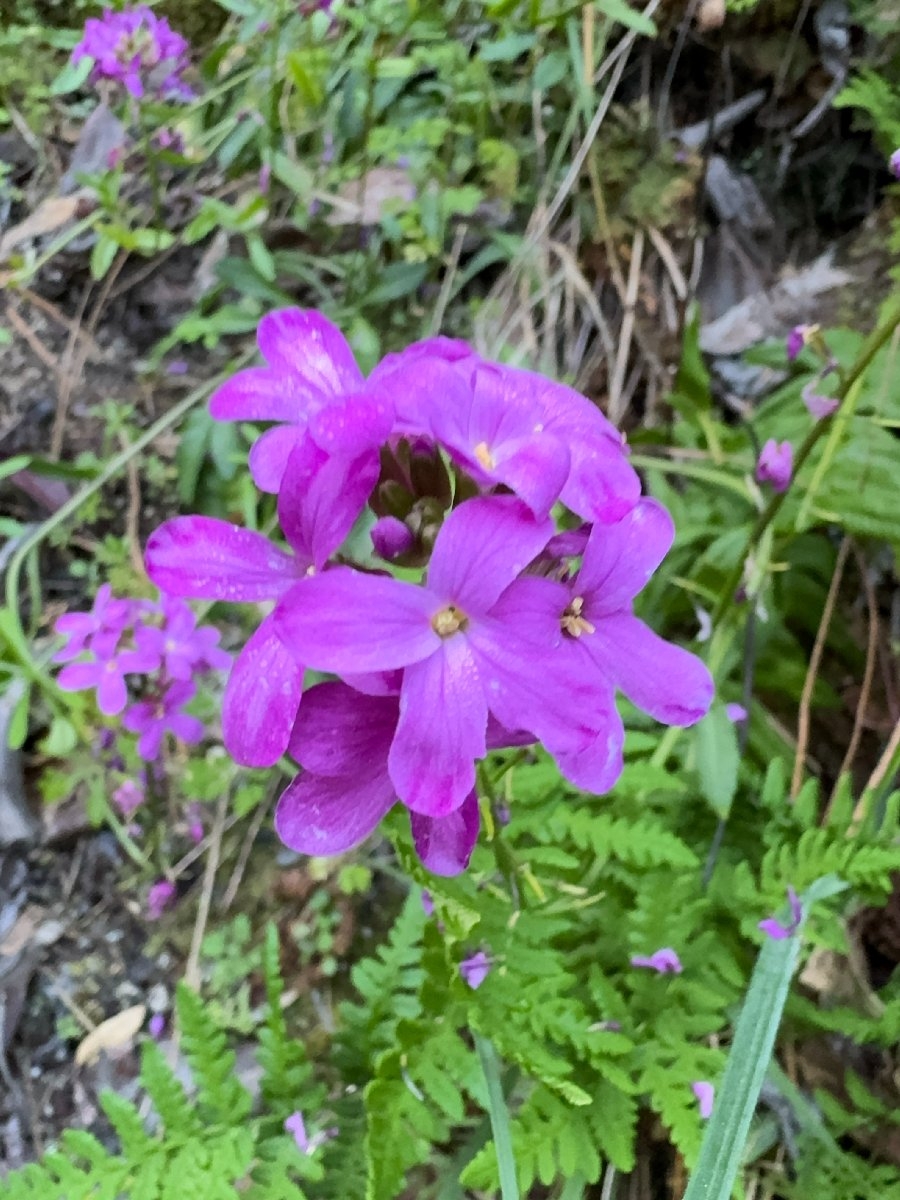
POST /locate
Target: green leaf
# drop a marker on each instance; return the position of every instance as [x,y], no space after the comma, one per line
[71,77]
[61,739]
[397,280]
[105,250]
[509,48]
[624,14]
[717,759]
[751,1051]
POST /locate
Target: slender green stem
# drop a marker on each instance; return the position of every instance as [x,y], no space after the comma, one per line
[112,468]
[870,348]
[490,1064]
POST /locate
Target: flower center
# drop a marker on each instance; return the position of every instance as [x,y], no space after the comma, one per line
[483,453]
[572,622]
[448,621]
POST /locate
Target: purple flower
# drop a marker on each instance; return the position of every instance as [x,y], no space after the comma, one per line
[153,719]
[735,713]
[205,558]
[139,50]
[584,634]
[894,164]
[160,897]
[427,903]
[107,619]
[775,465]
[444,634]
[183,649]
[818,406]
[706,1095]
[391,538]
[775,929]
[796,340]
[664,961]
[296,1126]
[107,674]
[475,969]
[513,427]
[342,739]
[128,797]
[156,1026]
[311,383]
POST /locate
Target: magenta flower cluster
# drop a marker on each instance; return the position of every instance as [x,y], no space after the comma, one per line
[137,49]
[509,506]
[158,641]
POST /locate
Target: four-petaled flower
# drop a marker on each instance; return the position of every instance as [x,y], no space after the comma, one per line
[153,719]
[107,674]
[664,961]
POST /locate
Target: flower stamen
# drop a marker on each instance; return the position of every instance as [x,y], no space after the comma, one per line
[448,621]
[483,453]
[572,622]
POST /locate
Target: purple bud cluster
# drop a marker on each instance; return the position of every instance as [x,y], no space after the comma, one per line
[490,606]
[139,50]
[157,641]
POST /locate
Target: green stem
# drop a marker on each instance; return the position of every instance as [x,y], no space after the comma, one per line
[112,468]
[871,346]
[506,1163]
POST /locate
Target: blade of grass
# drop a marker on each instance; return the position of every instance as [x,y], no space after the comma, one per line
[754,1038]
[490,1065]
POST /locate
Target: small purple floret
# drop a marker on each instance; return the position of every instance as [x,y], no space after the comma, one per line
[775,465]
[475,969]
[160,897]
[776,929]
[706,1095]
[664,961]
[137,49]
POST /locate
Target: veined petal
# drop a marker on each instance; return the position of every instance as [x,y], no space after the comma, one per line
[209,559]
[481,548]
[350,623]
[602,485]
[323,816]
[619,559]
[349,425]
[258,394]
[270,454]
[261,699]
[305,344]
[445,844]
[663,679]
[342,732]
[535,468]
[321,498]
[442,727]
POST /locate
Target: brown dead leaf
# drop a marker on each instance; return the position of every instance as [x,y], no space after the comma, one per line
[113,1034]
[49,216]
[23,931]
[364,201]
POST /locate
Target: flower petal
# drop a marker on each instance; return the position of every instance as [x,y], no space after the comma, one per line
[270,454]
[665,680]
[342,732]
[620,558]
[354,423]
[442,727]
[348,622]
[321,498]
[445,844]
[322,816]
[307,346]
[261,699]
[210,559]
[536,469]
[481,548]
[258,394]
